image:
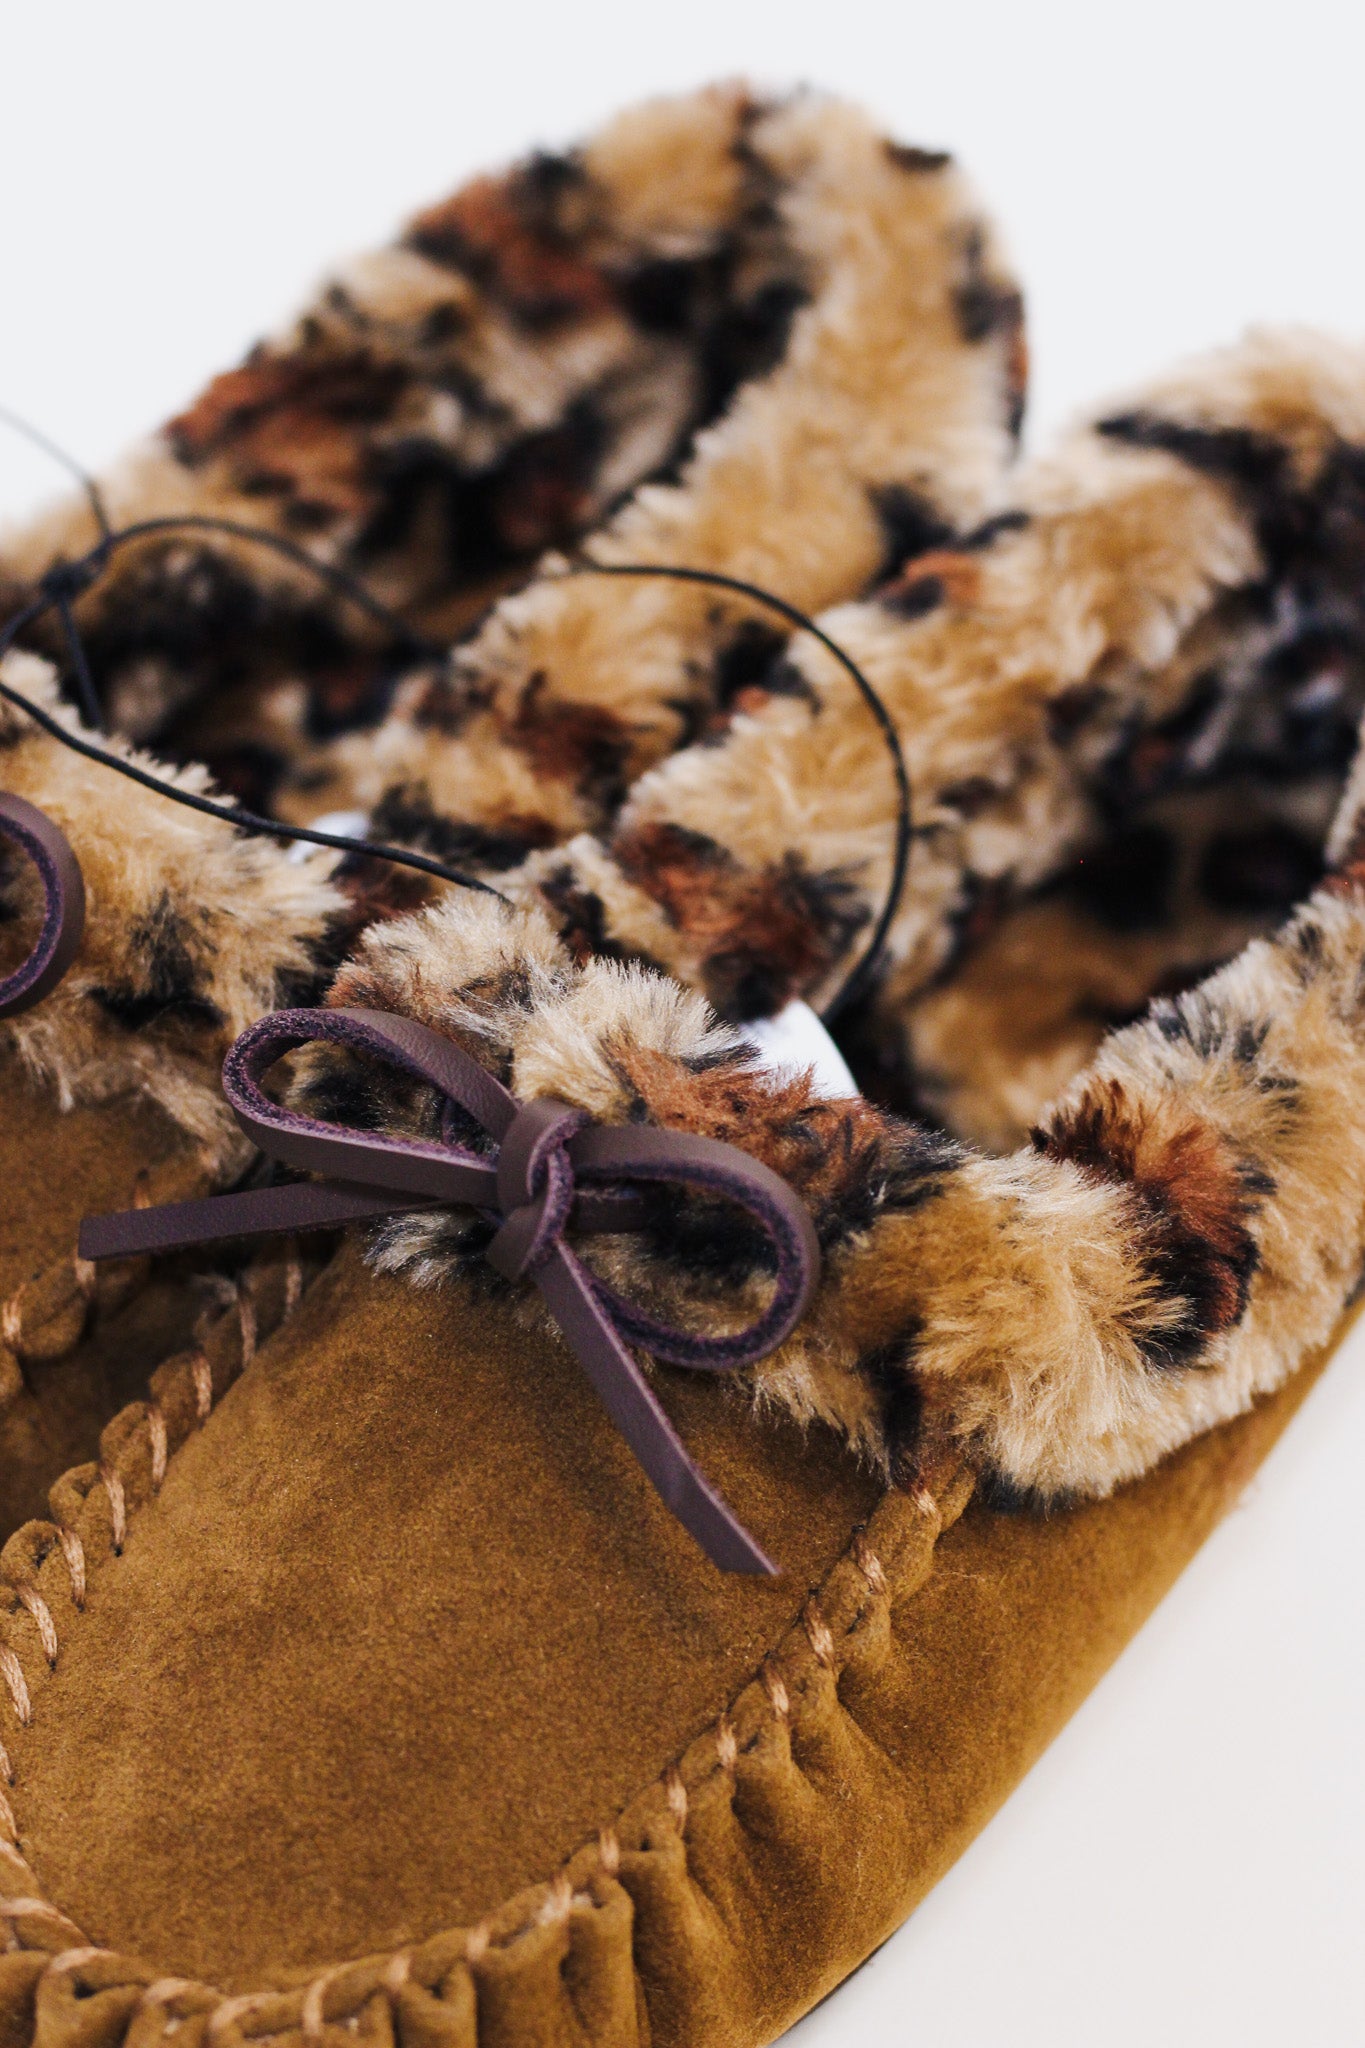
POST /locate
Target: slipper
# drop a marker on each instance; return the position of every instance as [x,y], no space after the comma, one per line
[408,1550]
[441,1530]
[678,1803]
[698,288]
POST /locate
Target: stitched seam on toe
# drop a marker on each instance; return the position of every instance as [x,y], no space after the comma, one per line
[809,1645]
[140,1429]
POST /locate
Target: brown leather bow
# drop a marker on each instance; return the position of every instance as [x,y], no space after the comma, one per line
[554,1168]
[34,833]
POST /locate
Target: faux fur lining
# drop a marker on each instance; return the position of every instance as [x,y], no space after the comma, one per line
[442,410]
[612,1906]
[1154,608]
[1168,612]
[192,929]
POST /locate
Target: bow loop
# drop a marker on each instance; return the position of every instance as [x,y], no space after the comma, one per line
[535,1183]
[59,937]
[554,1170]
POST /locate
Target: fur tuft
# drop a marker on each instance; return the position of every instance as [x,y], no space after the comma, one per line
[192,929]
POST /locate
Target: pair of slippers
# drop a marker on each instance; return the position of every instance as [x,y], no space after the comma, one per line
[382,1650]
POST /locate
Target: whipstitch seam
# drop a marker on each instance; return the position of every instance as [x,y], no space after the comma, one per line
[549,1902]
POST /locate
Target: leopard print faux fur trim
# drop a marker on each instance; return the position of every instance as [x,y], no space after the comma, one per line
[798,336]
[192,929]
[1182,1228]
[890,419]
[806,326]
[1155,673]
[626,1045]
[1170,603]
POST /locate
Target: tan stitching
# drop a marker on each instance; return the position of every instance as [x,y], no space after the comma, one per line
[12,1671]
[779,1699]
[675,1792]
[156,1431]
[246,1316]
[229,2010]
[85,1276]
[609,1852]
[73,1550]
[558,1903]
[311,2017]
[12,1910]
[35,1909]
[478,1939]
[118,1504]
[818,1636]
[74,1959]
[162,1991]
[398,1971]
[293,1280]
[42,1621]
[868,1562]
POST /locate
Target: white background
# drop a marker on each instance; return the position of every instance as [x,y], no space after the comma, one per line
[1187,1864]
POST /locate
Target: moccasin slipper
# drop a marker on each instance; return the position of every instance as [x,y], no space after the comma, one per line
[409,1550]
[383,1676]
[806,326]
[392,1699]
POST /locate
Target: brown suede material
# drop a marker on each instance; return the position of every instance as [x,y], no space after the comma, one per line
[57,1424]
[412,1595]
[59,1164]
[55,1168]
[404,1627]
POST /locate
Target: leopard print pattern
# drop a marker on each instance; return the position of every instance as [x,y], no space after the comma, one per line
[664,330]
[1160,662]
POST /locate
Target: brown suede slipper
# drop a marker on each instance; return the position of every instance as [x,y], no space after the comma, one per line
[409,1550]
[380,1693]
[693,294]
[413,1661]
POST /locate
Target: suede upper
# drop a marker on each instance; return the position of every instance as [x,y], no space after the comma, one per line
[356,1679]
[342,1687]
